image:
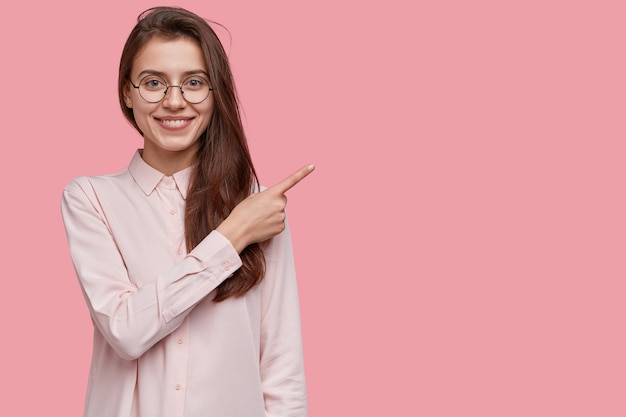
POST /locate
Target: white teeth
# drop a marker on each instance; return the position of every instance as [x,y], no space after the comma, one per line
[174,123]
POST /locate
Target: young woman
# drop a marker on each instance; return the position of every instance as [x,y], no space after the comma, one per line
[185,264]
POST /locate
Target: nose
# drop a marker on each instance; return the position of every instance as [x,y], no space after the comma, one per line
[174,97]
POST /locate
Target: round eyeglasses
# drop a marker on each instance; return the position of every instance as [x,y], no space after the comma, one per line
[152,88]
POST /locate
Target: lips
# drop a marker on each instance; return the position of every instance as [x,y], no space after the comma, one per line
[174,123]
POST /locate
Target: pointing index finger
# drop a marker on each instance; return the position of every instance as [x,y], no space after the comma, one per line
[286,184]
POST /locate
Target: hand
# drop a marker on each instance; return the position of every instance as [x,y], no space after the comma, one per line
[261,216]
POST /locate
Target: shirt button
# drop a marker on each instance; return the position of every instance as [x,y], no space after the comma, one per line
[167,181]
[226,266]
[172,211]
[180,340]
[178,387]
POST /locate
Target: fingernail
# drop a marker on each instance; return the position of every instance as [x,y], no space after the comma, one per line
[311,167]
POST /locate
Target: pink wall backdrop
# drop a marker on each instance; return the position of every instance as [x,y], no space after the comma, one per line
[461,245]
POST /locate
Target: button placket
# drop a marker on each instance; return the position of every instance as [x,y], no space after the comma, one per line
[173,205]
[180,357]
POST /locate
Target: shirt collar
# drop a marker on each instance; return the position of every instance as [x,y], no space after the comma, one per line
[147,178]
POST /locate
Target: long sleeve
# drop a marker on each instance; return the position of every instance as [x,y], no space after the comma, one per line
[281,366]
[131,317]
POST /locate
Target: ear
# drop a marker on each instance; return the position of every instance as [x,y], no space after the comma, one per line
[127,100]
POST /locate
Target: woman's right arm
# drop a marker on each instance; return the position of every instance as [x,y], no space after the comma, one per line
[133,319]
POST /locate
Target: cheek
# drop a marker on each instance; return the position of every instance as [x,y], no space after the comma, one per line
[142,119]
[208,112]
[141,112]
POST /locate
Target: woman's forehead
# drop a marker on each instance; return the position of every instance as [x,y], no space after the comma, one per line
[171,57]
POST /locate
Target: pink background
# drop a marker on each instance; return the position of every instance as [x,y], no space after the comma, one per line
[460,246]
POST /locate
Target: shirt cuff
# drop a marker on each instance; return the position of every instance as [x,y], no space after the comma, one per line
[216,242]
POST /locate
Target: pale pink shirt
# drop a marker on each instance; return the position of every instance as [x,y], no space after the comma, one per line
[161,346]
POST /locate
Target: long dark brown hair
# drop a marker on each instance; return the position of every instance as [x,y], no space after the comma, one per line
[223,174]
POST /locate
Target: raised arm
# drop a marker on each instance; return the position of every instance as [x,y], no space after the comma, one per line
[133,318]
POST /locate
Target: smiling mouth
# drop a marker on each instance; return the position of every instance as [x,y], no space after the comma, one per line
[174,123]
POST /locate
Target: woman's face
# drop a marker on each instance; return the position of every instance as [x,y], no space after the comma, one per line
[172,127]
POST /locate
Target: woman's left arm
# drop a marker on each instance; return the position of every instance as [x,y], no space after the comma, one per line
[282,365]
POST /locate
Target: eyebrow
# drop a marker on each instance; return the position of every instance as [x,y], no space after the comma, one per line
[164,75]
